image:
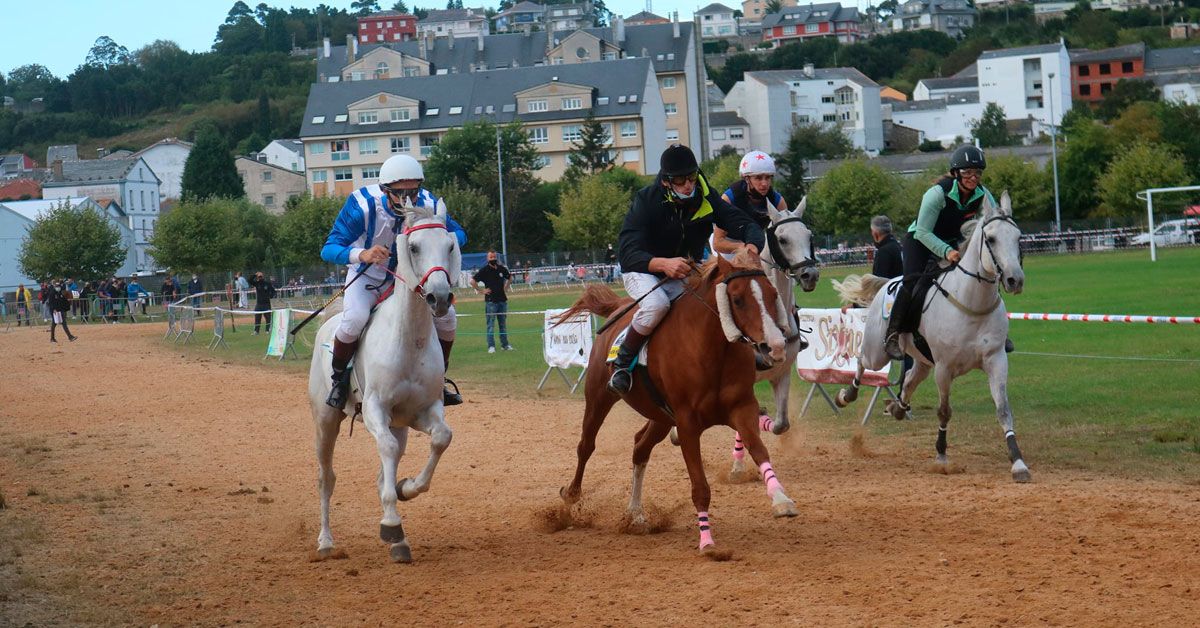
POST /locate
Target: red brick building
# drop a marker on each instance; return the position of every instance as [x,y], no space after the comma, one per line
[814,20]
[1095,72]
[386,27]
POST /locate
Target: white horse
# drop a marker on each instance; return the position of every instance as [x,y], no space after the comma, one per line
[965,324]
[398,374]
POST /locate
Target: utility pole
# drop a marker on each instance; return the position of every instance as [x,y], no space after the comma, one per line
[500,177]
[1054,157]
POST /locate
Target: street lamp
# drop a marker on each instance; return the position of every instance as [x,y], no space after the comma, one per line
[500,178]
[1054,157]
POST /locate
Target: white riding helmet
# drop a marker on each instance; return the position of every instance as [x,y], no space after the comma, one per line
[399,168]
[756,162]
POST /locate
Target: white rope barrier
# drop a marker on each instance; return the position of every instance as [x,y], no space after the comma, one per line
[1124,358]
[1105,318]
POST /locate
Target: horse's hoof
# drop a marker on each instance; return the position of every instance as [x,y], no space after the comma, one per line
[401,553]
[1021,473]
[567,496]
[400,490]
[780,426]
[675,437]
[712,553]
[636,524]
[839,399]
[786,508]
[739,474]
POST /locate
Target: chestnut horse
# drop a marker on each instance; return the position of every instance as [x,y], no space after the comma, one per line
[701,367]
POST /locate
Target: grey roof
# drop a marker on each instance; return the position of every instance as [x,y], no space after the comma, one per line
[613,79]
[450,15]
[936,103]
[935,7]
[527,49]
[642,16]
[716,97]
[715,7]
[378,14]
[1172,77]
[1119,53]
[1173,58]
[726,118]
[94,170]
[819,74]
[294,145]
[833,12]
[65,152]
[951,82]
[1024,50]
[523,7]
[970,70]
[120,153]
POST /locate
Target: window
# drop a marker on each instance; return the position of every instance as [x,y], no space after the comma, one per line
[572,103]
[1105,68]
[399,115]
[736,134]
[339,150]
[412,71]
[672,135]
[267,175]
[541,161]
[671,108]
[535,106]
[539,135]
[1085,70]
[829,117]
[379,37]
[389,24]
[269,200]
[399,144]
[341,117]
[629,129]
[1085,90]
[811,28]
[827,99]
[789,30]
[1105,88]
[455,111]
[370,172]
[631,155]
[572,132]
[358,76]
[1127,66]
[669,82]
[610,56]
[320,176]
[718,134]
[368,117]
[365,39]
[608,132]
[318,120]
[381,68]
[316,149]
[368,147]
[343,174]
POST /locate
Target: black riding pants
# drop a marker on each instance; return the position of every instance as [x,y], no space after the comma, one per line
[920,265]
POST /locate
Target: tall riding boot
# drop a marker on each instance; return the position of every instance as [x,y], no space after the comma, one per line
[449,397]
[895,322]
[622,378]
[342,353]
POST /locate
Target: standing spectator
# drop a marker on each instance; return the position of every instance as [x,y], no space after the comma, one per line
[610,256]
[73,293]
[44,301]
[24,304]
[85,301]
[121,301]
[264,291]
[170,290]
[102,297]
[59,303]
[888,261]
[243,288]
[136,294]
[3,307]
[495,279]
[195,287]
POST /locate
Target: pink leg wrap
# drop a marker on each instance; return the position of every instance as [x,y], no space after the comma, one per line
[764,423]
[772,482]
[705,532]
[739,450]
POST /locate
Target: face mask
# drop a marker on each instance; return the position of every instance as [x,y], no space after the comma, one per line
[493,262]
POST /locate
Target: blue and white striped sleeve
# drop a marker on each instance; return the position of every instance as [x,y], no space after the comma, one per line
[453,226]
[347,229]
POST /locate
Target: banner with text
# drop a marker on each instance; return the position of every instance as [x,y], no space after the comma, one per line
[832,353]
[569,343]
[281,322]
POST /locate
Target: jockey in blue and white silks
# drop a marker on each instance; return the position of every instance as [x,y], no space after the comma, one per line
[364,237]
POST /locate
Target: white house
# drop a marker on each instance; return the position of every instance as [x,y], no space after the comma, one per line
[1018,79]
[284,154]
[953,17]
[130,182]
[568,17]
[947,119]
[931,88]
[166,159]
[717,21]
[452,23]
[773,102]
[726,129]
[17,216]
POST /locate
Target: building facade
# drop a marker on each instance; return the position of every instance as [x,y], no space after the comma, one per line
[776,101]
[387,26]
[350,129]
[946,119]
[812,21]
[166,158]
[17,216]
[953,17]
[16,165]
[717,22]
[1095,72]
[1020,81]
[452,23]
[753,11]
[727,131]
[129,182]
[287,154]
[269,185]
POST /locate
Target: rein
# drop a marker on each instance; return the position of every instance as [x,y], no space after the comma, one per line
[739,336]
[420,287]
[978,276]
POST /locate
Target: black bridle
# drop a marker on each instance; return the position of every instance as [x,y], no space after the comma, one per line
[780,259]
[978,276]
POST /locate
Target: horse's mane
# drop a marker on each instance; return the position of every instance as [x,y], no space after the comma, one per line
[968,230]
[413,214]
[708,270]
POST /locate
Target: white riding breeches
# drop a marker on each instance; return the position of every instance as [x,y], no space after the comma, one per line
[655,306]
[358,299]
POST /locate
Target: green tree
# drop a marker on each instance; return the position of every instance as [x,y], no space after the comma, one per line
[1031,188]
[304,227]
[722,172]
[591,217]
[1125,93]
[1139,121]
[400,6]
[589,154]
[200,237]
[71,241]
[1135,169]
[364,7]
[849,195]
[209,170]
[30,81]
[991,129]
[106,53]
[807,142]
[259,230]
[776,6]
[1184,122]
[1088,149]
[479,217]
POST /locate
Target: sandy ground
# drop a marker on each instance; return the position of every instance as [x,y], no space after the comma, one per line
[148,487]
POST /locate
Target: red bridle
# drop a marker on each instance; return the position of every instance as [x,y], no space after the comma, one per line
[420,287]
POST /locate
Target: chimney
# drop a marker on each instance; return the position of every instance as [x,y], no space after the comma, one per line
[675,24]
[450,34]
[101,152]
[809,70]
[619,30]
[349,49]
[479,41]
[56,167]
[326,48]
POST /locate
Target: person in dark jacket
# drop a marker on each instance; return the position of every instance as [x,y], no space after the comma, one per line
[264,291]
[667,227]
[889,262]
[59,301]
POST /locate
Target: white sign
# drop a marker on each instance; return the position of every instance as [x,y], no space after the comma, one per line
[569,343]
[281,321]
[834,344]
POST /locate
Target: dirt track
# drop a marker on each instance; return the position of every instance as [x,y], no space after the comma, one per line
[146,487]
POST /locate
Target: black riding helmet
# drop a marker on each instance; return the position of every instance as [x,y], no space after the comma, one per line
[967,156]
[677,161]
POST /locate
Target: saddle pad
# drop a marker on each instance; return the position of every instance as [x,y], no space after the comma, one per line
[890,290]
[616,346]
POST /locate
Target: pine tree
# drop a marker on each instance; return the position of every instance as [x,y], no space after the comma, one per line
[991,129]
[590,154]
[209,171]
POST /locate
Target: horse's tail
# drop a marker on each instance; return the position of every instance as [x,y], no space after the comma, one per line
[597,299]
[859,289]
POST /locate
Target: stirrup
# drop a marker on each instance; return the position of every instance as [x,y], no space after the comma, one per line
[891,346]
[340,391]
[451,397]
[623,386]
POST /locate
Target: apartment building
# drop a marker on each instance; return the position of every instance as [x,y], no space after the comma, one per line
[1019,80]
[1095,72]
[349,129]
[830,19]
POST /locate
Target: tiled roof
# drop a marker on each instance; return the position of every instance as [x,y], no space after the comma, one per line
[93,170]
[1119,53]
[813,13]
[726,118]
[819,74]
[451,15]
[1173,58]
[1017,52]
[951,82]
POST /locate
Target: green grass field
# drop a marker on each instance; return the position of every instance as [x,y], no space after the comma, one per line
[1130,410]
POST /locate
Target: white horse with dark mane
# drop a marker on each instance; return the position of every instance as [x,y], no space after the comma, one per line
[397,374]
[965,324]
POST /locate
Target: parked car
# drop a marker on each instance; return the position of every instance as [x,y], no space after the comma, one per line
[1171,232]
